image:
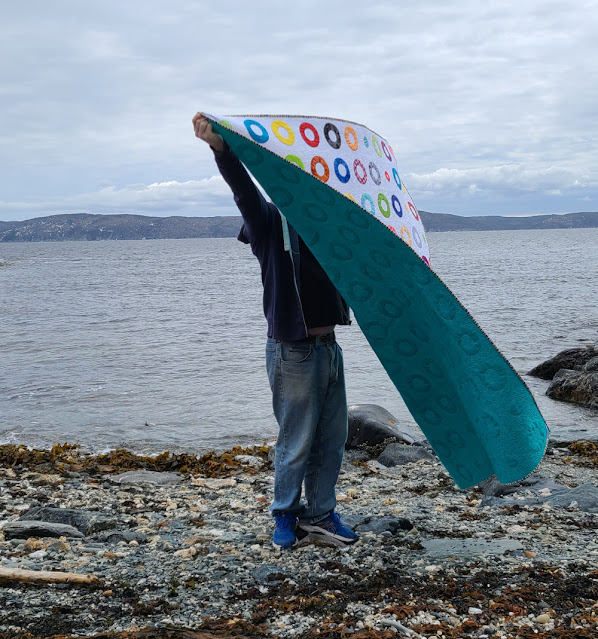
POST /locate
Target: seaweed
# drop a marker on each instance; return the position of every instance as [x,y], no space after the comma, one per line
[66,458]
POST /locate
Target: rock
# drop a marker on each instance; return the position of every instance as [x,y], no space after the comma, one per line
[86,522]
[500,502]
[33,544]
[352,521]
[571,359]
[585,495]
[543,619]
[356,455]
[269,574]
[584,498]
[492,487]
[578,387]
[186,553]
[26,529]
[146,477]
[399,454]
[371,424]
[469,547]
[114,536]
[378,525]
[215,484]
[250,460]
[591,366]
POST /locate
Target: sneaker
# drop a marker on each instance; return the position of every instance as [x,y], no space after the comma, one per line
[284,533]
[330,529]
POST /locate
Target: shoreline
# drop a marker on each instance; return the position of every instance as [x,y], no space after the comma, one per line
[187,545]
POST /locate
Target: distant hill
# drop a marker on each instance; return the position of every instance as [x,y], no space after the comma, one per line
[447,222]
[84,226]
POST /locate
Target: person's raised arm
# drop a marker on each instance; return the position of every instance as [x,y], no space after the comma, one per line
[204,131]
[256,212]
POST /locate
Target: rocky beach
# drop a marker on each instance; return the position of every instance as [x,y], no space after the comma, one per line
[180,546]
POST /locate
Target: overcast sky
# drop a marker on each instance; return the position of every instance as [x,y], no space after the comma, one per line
[491,106]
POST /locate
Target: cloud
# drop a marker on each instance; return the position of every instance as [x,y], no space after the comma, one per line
[212,197]
[514,177]
[104,92]
[207,197]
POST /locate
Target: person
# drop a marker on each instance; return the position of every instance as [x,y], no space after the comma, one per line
[303,361]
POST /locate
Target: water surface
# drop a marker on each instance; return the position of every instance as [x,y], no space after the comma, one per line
[159,344]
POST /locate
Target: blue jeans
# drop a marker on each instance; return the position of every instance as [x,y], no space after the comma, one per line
[310,406]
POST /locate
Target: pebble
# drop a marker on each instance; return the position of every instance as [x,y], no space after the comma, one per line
[189,548]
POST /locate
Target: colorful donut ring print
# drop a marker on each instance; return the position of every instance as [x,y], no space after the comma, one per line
[347,173]
[319,161]
[328,129]
[396,206]
[295,159]
[289,139]
[315,140]
[413,210]
[363,178]
[261,137]
[352,143]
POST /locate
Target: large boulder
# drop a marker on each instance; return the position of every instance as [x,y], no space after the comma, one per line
[572,359]
[578,387]
[371,424]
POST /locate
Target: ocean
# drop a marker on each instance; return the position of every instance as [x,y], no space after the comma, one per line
[159,345]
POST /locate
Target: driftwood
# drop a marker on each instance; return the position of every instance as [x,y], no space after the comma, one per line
[46,576]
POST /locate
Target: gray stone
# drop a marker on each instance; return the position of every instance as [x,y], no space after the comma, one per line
[86,522]
[578,387]
[352,521]
[146,477]
[399,454]
[371,424]
[250,460]
[591,366]
[25,529]
[380,525]
[499,502]
[269,574]
[114,536]
[585,495]
[356,455]
[572,359]
[469,547]
[493,488]
[377,525]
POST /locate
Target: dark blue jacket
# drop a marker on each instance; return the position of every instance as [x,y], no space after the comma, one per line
[262,229]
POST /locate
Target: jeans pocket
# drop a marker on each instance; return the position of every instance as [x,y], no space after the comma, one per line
[295,353]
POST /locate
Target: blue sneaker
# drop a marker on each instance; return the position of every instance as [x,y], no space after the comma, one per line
[284,533]
[330,530]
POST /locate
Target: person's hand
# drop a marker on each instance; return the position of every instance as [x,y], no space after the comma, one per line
[204,131]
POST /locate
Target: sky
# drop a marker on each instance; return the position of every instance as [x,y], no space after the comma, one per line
[491,107]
